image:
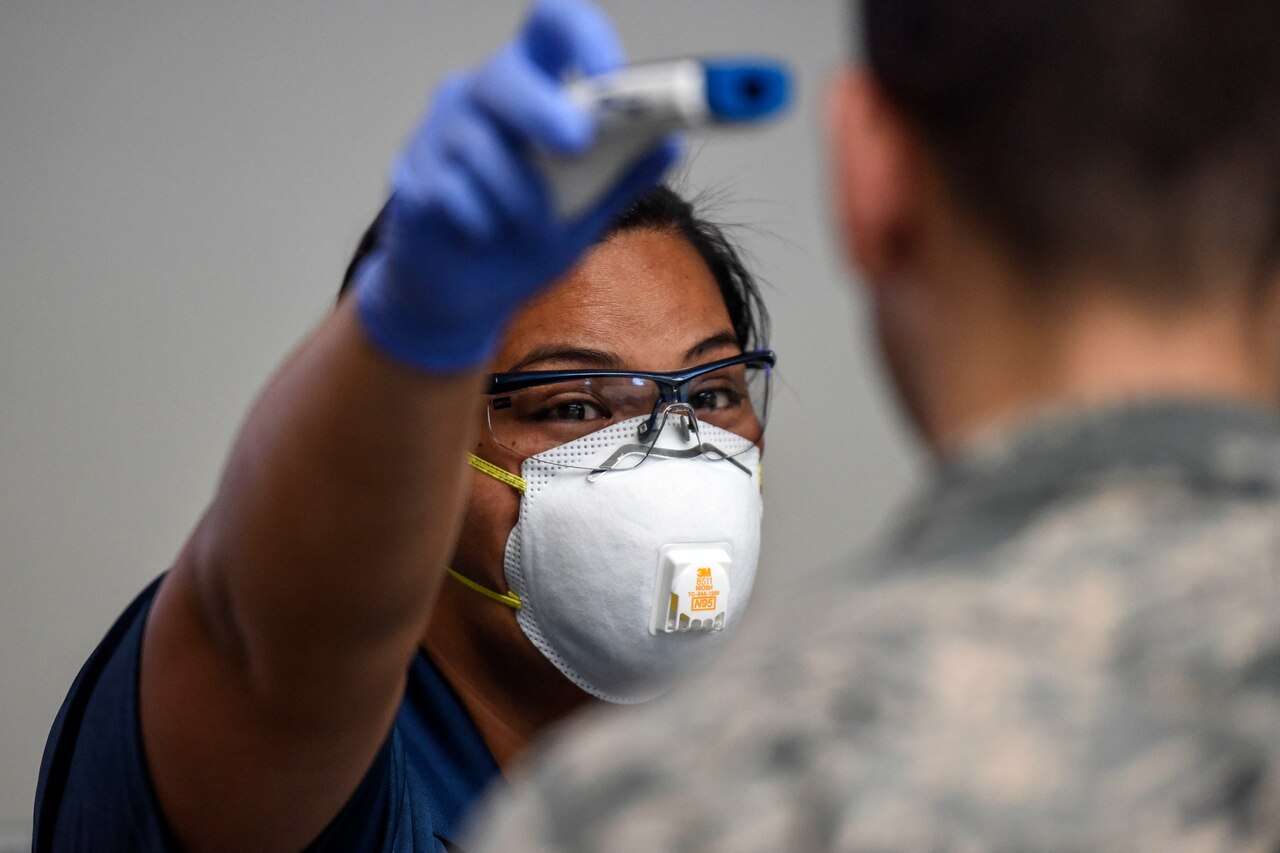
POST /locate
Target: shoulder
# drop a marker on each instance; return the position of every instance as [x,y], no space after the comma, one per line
[94,789]
[1101,673]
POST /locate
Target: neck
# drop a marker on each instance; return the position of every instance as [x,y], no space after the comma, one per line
[989,350]
[512,692]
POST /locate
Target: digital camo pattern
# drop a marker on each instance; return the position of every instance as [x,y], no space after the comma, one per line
[1072,642]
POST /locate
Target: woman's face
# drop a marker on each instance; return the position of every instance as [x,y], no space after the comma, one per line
[642,300]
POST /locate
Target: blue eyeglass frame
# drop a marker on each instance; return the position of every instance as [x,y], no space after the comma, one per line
[670,385]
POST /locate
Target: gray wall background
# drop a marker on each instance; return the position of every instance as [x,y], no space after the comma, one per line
[181,185]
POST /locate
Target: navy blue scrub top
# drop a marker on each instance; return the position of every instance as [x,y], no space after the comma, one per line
[95,791]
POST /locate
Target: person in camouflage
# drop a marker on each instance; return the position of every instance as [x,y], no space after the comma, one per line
[1068,217]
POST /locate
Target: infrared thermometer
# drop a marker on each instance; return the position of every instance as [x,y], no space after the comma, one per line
[635,106]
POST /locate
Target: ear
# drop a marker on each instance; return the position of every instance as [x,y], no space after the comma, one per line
[875,167]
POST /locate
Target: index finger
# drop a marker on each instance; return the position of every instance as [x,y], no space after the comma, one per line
[562,35]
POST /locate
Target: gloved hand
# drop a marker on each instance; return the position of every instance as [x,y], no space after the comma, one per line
[470,231]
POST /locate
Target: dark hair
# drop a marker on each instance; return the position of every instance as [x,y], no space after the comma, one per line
[663,209]
[1137,136]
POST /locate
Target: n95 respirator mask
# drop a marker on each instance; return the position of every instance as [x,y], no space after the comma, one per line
[625,579]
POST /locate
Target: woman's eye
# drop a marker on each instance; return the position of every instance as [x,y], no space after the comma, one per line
[714,398]
[575,410]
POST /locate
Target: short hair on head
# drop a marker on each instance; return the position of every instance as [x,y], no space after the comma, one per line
[1137,136]
[661,209]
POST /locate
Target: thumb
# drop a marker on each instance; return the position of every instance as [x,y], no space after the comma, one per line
[643,175]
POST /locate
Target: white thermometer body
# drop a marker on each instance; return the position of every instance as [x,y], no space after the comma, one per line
[637,106]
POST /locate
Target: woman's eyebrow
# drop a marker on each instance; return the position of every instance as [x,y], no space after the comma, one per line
[717,341]
[587,357]
[567,355]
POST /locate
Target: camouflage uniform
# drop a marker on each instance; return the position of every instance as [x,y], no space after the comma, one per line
[1072,642]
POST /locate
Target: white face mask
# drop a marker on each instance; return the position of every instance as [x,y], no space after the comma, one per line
[627,578]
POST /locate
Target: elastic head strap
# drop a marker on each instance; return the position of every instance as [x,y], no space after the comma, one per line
[510,599]
[502,475]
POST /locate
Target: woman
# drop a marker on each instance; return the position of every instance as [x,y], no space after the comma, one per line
[413,565]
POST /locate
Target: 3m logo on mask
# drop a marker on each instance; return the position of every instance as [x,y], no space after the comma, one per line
[704,598]
[692,592]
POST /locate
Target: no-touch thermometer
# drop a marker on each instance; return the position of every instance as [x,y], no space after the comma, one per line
[636,106]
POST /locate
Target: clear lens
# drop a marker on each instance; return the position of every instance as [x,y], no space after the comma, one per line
[534,420]
[734,398]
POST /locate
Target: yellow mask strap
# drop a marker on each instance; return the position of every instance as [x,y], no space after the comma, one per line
[500,474]
[510,599]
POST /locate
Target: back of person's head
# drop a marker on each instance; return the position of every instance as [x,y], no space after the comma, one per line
[1140,138]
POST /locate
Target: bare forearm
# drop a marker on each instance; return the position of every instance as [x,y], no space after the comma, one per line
[337,508]
[276,650]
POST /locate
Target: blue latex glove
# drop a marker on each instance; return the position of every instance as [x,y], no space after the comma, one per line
[470,231]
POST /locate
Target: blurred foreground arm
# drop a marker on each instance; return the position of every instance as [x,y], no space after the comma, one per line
[276,651]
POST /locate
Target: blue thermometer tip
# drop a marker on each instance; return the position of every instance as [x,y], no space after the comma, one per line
[746,89]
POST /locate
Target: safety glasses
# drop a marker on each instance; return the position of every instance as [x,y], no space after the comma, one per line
[532,412]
